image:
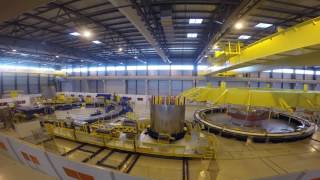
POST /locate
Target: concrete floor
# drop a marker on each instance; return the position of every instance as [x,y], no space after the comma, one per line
[12,170]
[235,160]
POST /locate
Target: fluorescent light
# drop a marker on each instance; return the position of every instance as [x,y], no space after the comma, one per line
[287,71]
[244,37]
[75,34]
[136,68]
[195,21]
[159,67]
[192,35]
[263,25]
[202,67]
[120,68]
[309,72]
[215,47]
[97,42]
[238,25]
[13,50]
[86,34]
[181,67]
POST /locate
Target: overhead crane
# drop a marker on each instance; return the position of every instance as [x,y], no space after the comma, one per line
[297,45]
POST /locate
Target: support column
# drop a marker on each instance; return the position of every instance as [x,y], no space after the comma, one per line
[146,85]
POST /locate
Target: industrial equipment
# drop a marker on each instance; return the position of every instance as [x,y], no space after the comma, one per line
[167,117]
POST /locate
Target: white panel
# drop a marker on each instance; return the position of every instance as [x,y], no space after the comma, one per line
[286,85]
[237,84]
[201,83]
[33,157]
[276,85]
[277,75]
[8,81]
[76,85]
[152,72]
[63,166]
[34,83]
[187,72]
[115,86]
[176,87]
[141,73]
[254,84]
[176,72]
[101,73]
[141,87]
[22,82]
[120,73]
[101,86]
[299,76]
[299,86]
[84,86]
[132,73]
[163,88]
[215,83]
[132,86]
[92,86]
[66,86]
[264,75]
[5,147]
[164,73]
[153,87]
[43,79]
[186,85]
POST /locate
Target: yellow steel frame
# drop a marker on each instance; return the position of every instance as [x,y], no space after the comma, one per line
[286,100]
[300,36]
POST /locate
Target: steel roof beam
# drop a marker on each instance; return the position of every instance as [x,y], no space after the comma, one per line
[13,8]
[125,7]
[241,11]
[47,48]
[91,20]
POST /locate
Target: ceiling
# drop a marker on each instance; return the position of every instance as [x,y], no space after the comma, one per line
[43,34]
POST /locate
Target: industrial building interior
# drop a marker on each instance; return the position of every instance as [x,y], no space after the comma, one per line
[159,89]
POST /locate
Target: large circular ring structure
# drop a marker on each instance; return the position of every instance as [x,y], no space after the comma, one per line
[216,120]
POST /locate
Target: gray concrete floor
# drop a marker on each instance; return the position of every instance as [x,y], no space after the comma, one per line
[235,160]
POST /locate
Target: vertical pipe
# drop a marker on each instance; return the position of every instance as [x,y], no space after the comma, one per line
[28,83]
[1,83]
[15,81]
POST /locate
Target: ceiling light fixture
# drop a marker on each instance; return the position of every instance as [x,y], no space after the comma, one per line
[86,34]
[120,49]
[97,42]
[244,37]
[238,25]
[215,47]
[136,57]
[192,35]
[75,34]
[263,25]
[195,21]
[57,56]
[13,50]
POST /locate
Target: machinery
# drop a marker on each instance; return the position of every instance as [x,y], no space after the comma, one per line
[167,117]
[262,115]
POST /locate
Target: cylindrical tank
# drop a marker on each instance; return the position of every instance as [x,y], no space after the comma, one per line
[167,118]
